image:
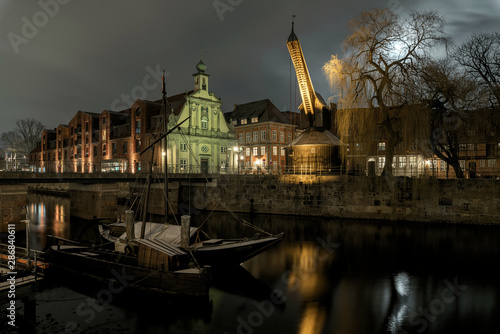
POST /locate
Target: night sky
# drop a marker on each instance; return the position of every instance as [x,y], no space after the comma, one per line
[86,55]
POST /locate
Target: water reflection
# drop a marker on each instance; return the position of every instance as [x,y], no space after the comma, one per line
[334,276]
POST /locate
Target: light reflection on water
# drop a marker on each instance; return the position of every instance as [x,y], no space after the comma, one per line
[335,277]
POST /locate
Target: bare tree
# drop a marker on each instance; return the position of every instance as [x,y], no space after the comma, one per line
[381,54]
[480,55]
[451,95]
[23,139]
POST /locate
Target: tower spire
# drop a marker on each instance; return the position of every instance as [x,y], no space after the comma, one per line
[292,36]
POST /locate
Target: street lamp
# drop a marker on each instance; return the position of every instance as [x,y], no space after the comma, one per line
[237,150]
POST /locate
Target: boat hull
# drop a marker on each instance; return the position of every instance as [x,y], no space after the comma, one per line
[235,252]
[188,282]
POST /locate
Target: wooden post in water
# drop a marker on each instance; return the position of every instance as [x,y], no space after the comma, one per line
[129,224]
[185,230]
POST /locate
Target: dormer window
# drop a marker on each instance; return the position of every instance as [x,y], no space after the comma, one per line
[254,120]
[243,121]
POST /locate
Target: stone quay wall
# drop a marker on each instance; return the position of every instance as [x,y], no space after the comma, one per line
[13,198]
[380,198]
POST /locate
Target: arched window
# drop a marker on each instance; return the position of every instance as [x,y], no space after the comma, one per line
[204,122]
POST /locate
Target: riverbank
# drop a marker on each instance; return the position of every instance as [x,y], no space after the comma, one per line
[380,198]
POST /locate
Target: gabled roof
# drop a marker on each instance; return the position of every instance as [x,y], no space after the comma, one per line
[265,110]
[314,136]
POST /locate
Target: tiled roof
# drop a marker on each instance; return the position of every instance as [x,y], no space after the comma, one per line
[265,110]
[313,136]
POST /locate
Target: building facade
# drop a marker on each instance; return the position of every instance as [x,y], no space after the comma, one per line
[263,133]
[114,141]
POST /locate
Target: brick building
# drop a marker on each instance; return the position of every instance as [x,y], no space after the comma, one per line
[111,141]
[263,132]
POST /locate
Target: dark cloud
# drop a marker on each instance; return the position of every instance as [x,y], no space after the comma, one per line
[91,53]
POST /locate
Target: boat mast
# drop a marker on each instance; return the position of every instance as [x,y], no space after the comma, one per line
[165,147]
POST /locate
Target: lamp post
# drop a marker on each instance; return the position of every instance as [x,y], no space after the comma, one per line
[237,150]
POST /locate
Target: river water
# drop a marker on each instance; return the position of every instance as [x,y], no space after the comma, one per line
[327,276]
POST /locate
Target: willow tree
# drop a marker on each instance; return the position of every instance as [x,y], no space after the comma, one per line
[375,75]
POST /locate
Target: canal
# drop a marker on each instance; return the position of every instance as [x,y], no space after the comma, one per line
[327,276]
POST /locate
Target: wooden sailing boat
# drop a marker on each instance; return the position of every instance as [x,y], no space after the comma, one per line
[204,250]
[151,263]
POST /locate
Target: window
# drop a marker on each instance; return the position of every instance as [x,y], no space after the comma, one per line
[255,136]
[282,152]
[137,145]
[289,137]
[275,135]
[125,147]
[492,162]
[482,163]
[413,146]
[235,122]
[204,122]
[433,165]
[282,136]
[103,134]
[103,149]
[183,147]
[255,151]
[470,147]
[243,121]
[472,132]
[223,149]
[462,147]
[103,119]
[138,126]
[241,138]
[443,165]
[275,150]
[113,149]
[86,127]
[413,162]
[401,162]
[381,146]
[247,151]
[381,162]
[401,146]
[262,150]
[248,137]
[223,164]
[263,135]
[462,164]
[183,164]
[254,120]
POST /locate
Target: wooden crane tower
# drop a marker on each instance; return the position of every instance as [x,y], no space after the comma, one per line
[311,105]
